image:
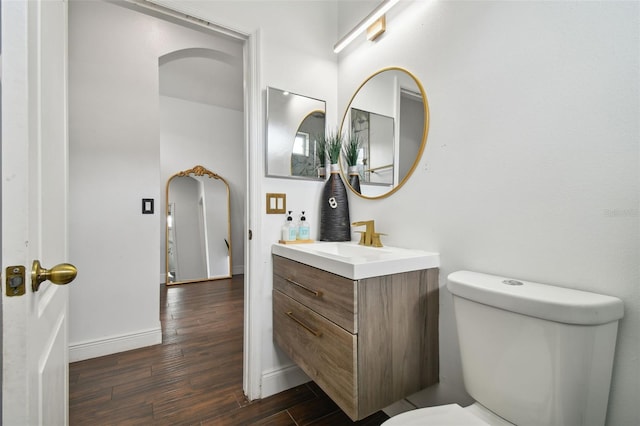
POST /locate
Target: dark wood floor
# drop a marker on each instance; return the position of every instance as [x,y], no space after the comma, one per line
[195,376]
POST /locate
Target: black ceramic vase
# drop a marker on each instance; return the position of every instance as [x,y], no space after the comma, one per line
[354,178]
[334,209]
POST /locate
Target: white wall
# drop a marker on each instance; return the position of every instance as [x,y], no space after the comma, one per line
[114,163]
[193,134]
[296,53]
[532,163]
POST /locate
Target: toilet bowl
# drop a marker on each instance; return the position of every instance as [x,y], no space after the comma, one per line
[448,415]
[558,341]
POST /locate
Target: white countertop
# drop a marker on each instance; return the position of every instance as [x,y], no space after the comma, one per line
[354,261]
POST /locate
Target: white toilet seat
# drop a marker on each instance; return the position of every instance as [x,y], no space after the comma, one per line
[441,415]
[478,410]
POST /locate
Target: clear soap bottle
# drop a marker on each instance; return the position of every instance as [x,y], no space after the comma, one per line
[289,230]
[293,229]
[303,228]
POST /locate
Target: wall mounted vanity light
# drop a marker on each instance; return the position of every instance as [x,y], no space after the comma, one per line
[371,20]
[376,29]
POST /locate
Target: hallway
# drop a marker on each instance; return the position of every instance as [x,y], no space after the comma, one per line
[194,376]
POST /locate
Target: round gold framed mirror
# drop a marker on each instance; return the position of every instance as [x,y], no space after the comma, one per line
[389,116]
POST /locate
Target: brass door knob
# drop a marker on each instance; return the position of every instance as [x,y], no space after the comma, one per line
[60,274]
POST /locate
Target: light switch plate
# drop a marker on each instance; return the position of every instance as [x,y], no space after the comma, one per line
[276,203]
[147,206]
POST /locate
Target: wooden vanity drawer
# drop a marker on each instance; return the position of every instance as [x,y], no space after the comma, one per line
[324,351]
[328,294]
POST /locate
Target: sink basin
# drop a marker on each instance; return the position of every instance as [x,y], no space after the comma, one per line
[354,261]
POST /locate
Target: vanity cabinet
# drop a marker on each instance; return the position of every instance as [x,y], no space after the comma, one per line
[367,343]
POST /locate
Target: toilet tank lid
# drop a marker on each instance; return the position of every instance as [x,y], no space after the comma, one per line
[537,300]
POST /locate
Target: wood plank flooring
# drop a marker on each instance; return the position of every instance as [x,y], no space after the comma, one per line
[195,376]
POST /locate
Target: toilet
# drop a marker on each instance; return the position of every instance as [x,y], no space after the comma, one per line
[532,354]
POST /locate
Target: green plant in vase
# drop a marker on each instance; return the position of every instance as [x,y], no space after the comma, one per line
[334,206]
[333,142]
[321,155]
[350,151]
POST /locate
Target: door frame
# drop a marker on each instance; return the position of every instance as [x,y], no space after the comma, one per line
[254,170]
[252,363]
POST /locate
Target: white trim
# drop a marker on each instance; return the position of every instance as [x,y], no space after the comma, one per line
[174,13]
[236,270]
[115,344]
[252,362]
[276,381]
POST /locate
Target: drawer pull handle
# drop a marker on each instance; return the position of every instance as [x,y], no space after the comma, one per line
[314,292]
[303,325]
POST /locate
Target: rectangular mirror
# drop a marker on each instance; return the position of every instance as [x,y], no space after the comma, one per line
[294,125]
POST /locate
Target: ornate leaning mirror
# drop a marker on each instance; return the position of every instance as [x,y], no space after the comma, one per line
[294,124]
[389,114]
[198,227]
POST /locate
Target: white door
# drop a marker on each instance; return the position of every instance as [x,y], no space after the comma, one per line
[34,210]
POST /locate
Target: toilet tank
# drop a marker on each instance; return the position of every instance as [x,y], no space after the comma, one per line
[535,354]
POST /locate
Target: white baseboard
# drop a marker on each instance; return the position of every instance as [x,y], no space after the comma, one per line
[276,381]
[115,344]
[236,270]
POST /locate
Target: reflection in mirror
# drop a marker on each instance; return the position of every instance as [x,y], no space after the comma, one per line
[198,227]
[389,114]
[375,134]
[294,124]
[304,153]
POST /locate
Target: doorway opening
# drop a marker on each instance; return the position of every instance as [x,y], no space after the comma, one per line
[245,195]
[201,128]
[204,120]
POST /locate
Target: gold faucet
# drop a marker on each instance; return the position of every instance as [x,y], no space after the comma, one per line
[369,236]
